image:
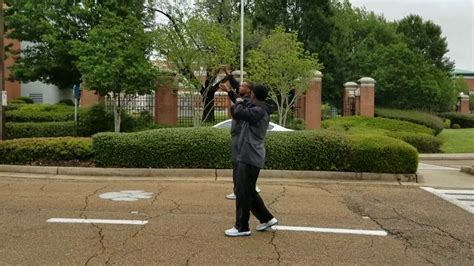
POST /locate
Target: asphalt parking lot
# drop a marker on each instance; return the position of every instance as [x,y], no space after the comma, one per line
[183,223]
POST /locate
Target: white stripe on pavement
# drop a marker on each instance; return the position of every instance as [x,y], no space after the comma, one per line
[95,221]
[330,230]
[424,166]
[461,198]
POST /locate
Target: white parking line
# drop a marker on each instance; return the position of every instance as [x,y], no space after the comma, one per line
[460,197]
[424,166]
[330,230]
[95,221]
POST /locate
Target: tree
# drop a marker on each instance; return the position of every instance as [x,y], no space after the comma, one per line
[51,27]
[406,80]
[115,60]
[195,48]
[357,35]
[426,38]
[281,63]
[311,20]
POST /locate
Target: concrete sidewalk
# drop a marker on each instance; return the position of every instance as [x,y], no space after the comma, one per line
[200,173]
[443,170]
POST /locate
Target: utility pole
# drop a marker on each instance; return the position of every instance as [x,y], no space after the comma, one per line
[2,75]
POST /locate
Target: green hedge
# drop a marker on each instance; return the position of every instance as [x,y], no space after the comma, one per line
[25,151]
[376,153]
[417,117]
[424,143]
[41,113]
[358,124]
[463,120]
[210,148]
[46,129]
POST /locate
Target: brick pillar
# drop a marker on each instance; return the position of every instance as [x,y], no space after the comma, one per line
[13,88]
[312,105]
[90,98]
[349,97]
[300,104]
[166,106]
[464,103]
[367,96]
[357,101]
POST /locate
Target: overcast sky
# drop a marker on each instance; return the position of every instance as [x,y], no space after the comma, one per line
[456,18]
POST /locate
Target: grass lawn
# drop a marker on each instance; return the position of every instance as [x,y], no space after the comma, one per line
[457,140]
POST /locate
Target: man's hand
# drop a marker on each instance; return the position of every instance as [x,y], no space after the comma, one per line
[223,87]
[226,69]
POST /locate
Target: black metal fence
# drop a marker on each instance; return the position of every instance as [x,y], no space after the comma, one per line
[193,110]
[135,105]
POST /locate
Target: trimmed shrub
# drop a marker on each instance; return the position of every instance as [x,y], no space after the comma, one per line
[93,120]
[24,151]
[67,102]
[211,148]
[417,117]
[358,124]
[307,150]
[463,120]
[24,99]
[41,113]
[13,105]
[456,126]
[424,143]
[45,129]
[382,154]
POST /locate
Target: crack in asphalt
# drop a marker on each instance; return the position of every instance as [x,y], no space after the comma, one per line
[86,200]
[324,189]
[160,191]
[102,245]
[444,232]
[277,198]
[399,234]
[42,187]
[275,248]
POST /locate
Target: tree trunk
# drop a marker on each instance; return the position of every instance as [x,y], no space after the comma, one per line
[117,112]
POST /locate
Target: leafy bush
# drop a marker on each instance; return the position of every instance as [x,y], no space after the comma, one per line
[67,102]
[417,117]
[424,143]
[24,99]
[44,129]
[13,105]
[456,126]
[463,120]
[17,102]
[93,120]
[24,151]
[41,113]
[382,154]
[210,148]
[358,124]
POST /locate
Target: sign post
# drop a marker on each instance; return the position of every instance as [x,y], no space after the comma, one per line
[76,92]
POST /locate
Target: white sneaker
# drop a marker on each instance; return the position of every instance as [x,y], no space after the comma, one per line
[234,232]
[231,196]
[257,189]
[265,226]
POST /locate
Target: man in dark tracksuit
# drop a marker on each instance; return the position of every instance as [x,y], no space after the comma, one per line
[255,118]
[243,91]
